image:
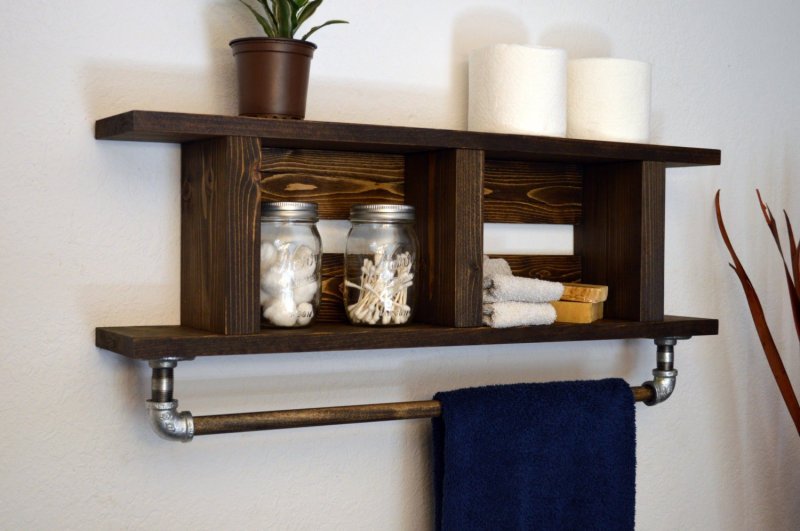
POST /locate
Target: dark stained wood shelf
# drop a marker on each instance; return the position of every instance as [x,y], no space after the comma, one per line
[152,126]
[154,342]
[611,192]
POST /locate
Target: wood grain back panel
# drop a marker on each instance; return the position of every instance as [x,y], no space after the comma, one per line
[530,192]
[557,268]
[331,307]
[335,180]
[622,239]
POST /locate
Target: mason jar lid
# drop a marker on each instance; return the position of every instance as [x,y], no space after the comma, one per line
[289,211]
[382,213]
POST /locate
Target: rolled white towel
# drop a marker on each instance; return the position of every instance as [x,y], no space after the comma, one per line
[508,314]
[495,266]
[504,288]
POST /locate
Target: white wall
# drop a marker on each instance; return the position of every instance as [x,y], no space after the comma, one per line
[90,235]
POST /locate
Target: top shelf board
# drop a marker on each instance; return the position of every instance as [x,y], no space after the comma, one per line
[152,126]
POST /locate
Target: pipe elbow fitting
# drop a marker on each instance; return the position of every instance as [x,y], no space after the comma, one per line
[662,384]
[169,423]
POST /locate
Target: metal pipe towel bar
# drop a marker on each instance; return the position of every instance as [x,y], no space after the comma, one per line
[171,424]
[323,416]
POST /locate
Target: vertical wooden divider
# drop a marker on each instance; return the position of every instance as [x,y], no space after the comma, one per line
[621,239]
[446,188]
[219,234]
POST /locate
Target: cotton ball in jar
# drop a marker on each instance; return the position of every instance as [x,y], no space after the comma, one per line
[268,255]
[304,262]
[305,292]
[305,312]
[265,299]
[276,282]
[281,313]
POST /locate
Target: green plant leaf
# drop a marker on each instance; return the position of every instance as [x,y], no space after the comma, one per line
[269,29]
[308,11]
[283,15]
[300,3]
[315,28]
[269,12]
[293,8]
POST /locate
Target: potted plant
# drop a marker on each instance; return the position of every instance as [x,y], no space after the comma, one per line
[273,70]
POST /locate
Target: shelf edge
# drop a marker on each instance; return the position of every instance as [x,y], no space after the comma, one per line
[157,126]
[168,341]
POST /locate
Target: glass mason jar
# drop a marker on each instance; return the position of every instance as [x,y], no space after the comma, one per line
[291,263]
[381,265]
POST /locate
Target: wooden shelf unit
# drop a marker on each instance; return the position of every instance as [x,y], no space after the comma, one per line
[613,194]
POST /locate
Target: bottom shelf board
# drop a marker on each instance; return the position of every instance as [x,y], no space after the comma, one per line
[155,342]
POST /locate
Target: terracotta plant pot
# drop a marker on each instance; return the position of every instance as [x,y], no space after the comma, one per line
[273,76]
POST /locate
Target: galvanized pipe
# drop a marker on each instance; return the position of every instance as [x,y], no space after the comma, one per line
[165,419]
[327,416]
[664,375]
[174,425]
[162,384]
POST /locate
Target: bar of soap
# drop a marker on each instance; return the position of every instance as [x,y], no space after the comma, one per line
[584,292]
[577,312]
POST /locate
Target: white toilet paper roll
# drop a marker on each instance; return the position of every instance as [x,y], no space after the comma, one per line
[608,99]
[518,89]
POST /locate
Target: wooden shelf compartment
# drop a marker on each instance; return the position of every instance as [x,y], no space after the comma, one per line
[612,193]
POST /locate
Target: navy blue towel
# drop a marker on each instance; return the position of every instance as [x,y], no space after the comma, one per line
[559,455]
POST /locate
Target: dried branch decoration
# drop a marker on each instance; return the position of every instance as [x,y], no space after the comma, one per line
[757,311]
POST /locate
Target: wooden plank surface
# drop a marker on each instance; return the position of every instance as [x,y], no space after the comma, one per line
[335,180]
[153,126]
[331,307]
[445,188]
[530,192]
[622,238]
[558,268]
[219,235]
[154,342]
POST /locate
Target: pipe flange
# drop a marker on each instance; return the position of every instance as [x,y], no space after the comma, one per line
[167,363]
[670,340]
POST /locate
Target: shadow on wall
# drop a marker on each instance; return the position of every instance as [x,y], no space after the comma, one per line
[413,104]
[585,41]
[401,105]
[437,370]
[113,87]
[579,41]
[474,29]
[132,380]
